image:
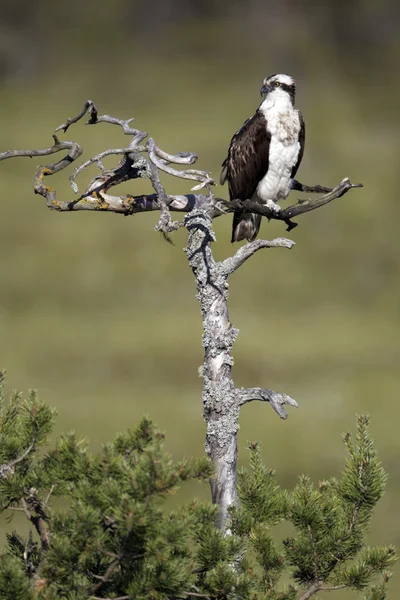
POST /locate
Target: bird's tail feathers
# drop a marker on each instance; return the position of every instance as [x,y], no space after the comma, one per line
[245,226]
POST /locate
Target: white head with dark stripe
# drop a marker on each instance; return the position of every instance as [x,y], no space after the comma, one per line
[279,85]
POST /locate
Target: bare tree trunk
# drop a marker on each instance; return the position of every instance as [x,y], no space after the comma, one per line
[220,402]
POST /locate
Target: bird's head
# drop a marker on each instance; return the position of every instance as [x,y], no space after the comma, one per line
[279,84]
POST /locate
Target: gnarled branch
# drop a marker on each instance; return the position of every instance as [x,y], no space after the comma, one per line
[245,252]
[302,206]
[276,399]
[132,166]
[221,400]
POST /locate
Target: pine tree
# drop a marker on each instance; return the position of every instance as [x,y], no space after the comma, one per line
[112,537]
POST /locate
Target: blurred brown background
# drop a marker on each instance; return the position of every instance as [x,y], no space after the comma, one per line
[99,313]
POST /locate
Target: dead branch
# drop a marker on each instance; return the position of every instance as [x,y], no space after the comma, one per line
[221,400]
[245,252]
[88,106]
[162,165]
[165,223]
[275,399]
[133,165]
[302,206]
[56,147]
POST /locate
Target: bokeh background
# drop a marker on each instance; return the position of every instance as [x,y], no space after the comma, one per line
[98,312]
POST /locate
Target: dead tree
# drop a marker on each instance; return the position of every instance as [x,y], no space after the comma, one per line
[221,399]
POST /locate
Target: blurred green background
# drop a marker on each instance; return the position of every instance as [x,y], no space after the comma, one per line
[98,312]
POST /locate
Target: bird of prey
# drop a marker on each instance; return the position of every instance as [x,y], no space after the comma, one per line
[265,153]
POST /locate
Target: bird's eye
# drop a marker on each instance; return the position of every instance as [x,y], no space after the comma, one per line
[277,84]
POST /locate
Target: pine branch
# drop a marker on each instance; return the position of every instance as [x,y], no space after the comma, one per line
[117,598]
[314,550]
[114,518]
[313,589]
[318,586]
[51,490]
[8,469]
[35,513]
[107,575]
[197,595]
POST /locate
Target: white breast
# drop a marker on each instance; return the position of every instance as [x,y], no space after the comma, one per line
[283,123]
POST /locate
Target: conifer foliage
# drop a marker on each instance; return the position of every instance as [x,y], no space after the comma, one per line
[112,536]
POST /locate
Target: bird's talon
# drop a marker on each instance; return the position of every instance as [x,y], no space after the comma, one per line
[273,206]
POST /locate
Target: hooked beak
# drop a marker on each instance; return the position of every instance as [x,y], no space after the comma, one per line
[265,90]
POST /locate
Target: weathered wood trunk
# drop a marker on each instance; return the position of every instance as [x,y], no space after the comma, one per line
[220,399]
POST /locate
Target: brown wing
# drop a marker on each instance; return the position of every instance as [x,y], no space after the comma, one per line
[248,158]
[302,139]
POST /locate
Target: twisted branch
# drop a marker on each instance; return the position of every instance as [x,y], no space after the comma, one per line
[276,399]
[232,263]
[221,400]
[165,223]
[302,206]
[132,165]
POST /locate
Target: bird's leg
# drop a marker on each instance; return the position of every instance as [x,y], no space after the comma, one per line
[277,209]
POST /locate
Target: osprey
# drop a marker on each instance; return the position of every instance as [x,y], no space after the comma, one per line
[265,153]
